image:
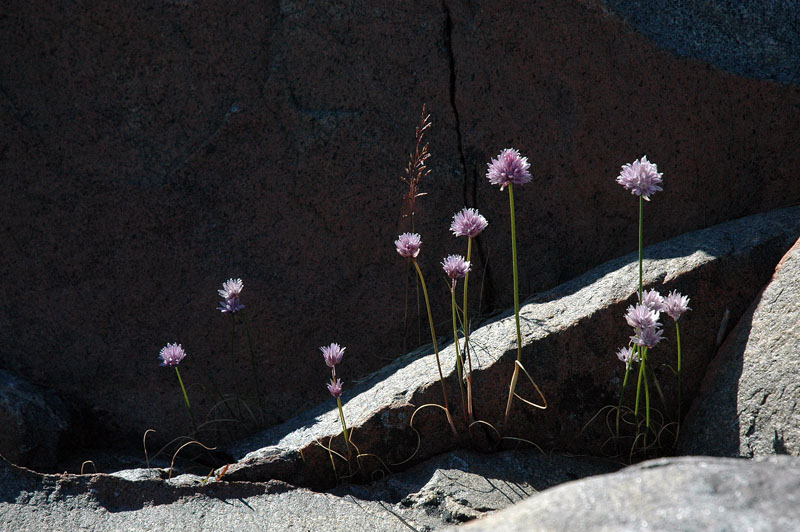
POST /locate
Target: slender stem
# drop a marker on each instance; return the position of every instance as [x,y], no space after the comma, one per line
[678,334]
[435,347]
[639,383]
[465,326]
[622,392]
[233,355]
[344,426]
[642,373]
[516,272]
[255,367]
[405,317]
[515,376]
[186,398]
[459,362]
[511,389]
[657,384]
[646,401]
[641,225]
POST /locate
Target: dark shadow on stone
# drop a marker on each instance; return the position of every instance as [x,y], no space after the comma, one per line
[779,444]
[711,426]
[512,474]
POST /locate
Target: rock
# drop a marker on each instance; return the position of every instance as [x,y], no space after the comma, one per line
[741,38]
[748,402]
[36,423]
[151,150]
[688,493]
[446,490]
[463,485]
[570,334]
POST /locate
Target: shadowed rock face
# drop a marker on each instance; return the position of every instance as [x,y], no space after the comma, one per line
[570,334]
[748,402]
[36,423]
[691,493]
[151,150]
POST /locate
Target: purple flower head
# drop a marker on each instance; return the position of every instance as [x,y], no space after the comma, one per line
[408,244]
[230,292]
[230,305]
[509,167]
[231,288]
[468,222]
[641,177]
[171,354]
[653,300]
[648,337]
[626,354]
[455,266]
[335,387]
[333,354]
[642,317]
[675,305]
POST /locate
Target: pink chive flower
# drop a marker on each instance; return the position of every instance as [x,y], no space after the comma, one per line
[508,168]
[641,177]
[171,354]
[653,300]
[648,337]
[626,354]
[333,354]
[468,222]
[408,244]
[335,387]
[455,266]
[230,292]
[641,317]
[230,305]
[675,305]
[231,288]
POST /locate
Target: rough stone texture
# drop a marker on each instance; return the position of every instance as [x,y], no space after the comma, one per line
[448,489]
[35,423]
[570,334]
[751,38]
[748,404]
[691,494]
[149,150]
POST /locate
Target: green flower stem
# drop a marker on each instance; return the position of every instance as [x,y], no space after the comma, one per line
[465,326]
[459,362]
[624,385]
[435,347]
[641,225]
[514,377]
[344,426]
[186,398]
[516,272]
[255,367]
[643,376]
[678,334]
[646,402]
[233,352]
[639,383]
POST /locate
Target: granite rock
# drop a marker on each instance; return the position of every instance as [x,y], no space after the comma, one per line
[692,494]
[35,421]
[748,404]
[446,490]
[740,37]
[570,334]
[150,150]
